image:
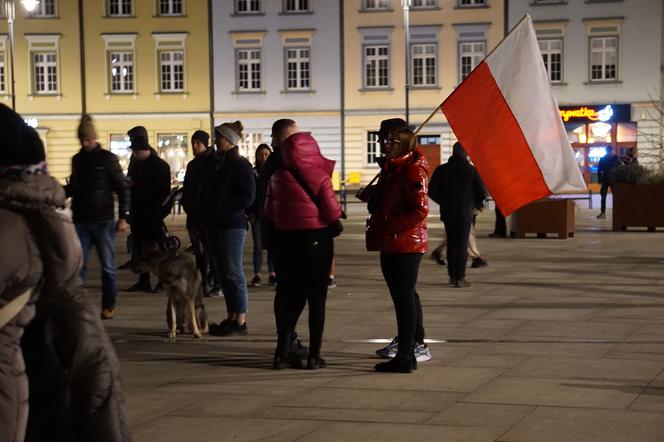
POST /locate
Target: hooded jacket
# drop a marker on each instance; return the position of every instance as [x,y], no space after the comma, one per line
[151,184]
[71,367]
[458,189]
[287,204]
[400,206]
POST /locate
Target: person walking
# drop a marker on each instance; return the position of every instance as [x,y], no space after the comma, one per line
[473,251]
[196,179]
[397,228]
[605,169]
[500,226]
[233,189]
[56,359]
[302,205]
[458,190]
[96,175]
[261,156]
[150,181]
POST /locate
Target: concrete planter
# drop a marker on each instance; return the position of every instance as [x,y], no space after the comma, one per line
[638,205]
[544,216]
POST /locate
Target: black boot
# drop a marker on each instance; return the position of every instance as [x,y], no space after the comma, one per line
[399,364]
[283,357]
[314,362]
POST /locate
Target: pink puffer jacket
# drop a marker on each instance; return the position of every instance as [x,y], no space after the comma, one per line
[287,204]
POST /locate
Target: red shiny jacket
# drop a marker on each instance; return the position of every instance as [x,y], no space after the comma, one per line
[398,220]
[287,204]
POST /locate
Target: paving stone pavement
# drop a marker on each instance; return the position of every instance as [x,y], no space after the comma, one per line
[556,340]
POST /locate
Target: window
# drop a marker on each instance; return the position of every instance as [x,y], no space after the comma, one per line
[373,148]
[603,58]
[45,65]
[45,8]
[470,55]
[424,63]
[374,5]
[298,69]
[249,143]
[171,68]
[297,6]
[424,4]
[171,7]
[249,70]
[122,71]
[2,73]
[172,148]
[428,139]
[376,66]
[247,6]
[472,3]
[119,8]
[119,145]
[552,54]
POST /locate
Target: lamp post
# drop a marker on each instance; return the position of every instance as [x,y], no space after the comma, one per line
[10,13]
[406,28]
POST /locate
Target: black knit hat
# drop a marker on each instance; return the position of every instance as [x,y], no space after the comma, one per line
[201,136]
[139,138]
[20,143]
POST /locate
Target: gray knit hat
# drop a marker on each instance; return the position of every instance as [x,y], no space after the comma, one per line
[228,133]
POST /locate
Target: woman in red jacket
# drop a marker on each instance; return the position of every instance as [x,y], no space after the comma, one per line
[302,205]
[397,228]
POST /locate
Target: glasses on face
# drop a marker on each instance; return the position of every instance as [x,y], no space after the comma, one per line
[391,141]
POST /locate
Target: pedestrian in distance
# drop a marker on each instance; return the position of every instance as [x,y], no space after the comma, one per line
[261,156]
[473,251]
[500,227]
[302,206]
[232,192]
[196,181]
[150,184]
[95,176]
[59,375]
[458,190]
[605,169]
[397,228]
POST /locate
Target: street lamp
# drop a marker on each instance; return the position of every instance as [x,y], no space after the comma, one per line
[406,28]
[10,13]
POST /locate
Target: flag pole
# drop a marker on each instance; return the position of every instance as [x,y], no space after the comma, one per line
[525,17]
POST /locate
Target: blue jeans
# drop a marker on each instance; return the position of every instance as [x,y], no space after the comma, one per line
[101,234]
[226,252]
[256,234]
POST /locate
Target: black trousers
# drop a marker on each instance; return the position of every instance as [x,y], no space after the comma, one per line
[146,230]
[304,258]
[603,191]
[400,273]
[457,247]
[198,239]
[500,227]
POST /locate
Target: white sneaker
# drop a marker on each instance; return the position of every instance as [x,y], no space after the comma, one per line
[422,353]
[390,350]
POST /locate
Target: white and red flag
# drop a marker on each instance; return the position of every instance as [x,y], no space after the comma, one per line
[507,119]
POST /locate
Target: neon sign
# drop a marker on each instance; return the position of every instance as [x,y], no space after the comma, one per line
[589,113]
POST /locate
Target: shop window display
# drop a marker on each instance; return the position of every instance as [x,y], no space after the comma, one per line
[172,148]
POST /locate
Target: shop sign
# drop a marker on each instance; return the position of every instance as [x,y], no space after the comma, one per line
[590,114]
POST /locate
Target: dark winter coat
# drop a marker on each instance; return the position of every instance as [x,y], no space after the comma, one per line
[72,370]
[288,205]
[233,189]
[605,168]
[150,185]
[95,175]
[196,179]
[458,189]
[400,206]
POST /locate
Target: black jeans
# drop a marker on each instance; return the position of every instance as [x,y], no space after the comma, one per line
[400,273]
[500,227]
[603,191]
[303,261]
[457,247]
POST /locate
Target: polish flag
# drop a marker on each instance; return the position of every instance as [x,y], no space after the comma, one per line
[507,119]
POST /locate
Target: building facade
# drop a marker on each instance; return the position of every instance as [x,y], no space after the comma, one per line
[448,38]
[604,61]
[137,63]
[278,59]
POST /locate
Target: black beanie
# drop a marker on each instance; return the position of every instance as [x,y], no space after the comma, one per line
[138,136]
[201,136]
[20,143]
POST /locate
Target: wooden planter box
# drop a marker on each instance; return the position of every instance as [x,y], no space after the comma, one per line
[544,216]
[638,205]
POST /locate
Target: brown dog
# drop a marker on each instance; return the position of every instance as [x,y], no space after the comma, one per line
[182,282]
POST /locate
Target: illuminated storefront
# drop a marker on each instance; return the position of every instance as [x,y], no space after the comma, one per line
[591,129]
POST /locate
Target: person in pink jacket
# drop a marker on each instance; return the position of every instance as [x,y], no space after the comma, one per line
[302,205]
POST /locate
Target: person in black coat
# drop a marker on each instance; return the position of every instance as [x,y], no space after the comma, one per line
[605,169]
[458,190]
[96,175]
[150,178]
[196,179]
